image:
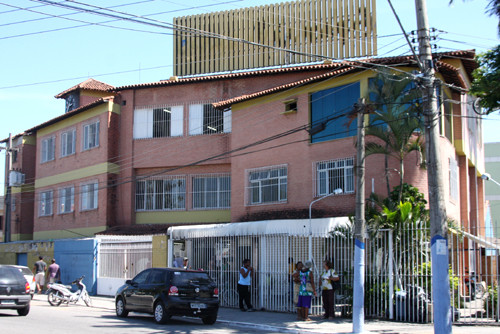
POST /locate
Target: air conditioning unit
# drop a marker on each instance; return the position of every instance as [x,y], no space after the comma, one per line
[16,179]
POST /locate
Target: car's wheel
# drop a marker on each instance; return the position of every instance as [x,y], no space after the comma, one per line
[160,314]
[55,298]
[210,320]
[120,308]
[24,311]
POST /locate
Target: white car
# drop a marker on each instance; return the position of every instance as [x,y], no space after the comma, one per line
[28,275]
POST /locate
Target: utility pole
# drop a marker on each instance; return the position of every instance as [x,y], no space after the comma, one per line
[358,318]
[437,208]
[8,195]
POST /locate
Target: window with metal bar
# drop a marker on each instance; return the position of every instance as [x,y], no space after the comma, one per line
[213,120]
[161,122]
[89,196]
[91,136]
[158,122]
[46,201]
[66,199]
[267,185]
[161,194]
[453,179]
[68,140]
[48,149]
[211,191]
[205,119]
[335,174]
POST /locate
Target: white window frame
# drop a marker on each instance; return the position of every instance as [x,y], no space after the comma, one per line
[257,180]
[157,189]
[89,196]
[66,200]
[65,149]
[143,121]
[214,196]
[322,169]
[48,149]
[46,203]
[90,139]
[196,120]
[453,175]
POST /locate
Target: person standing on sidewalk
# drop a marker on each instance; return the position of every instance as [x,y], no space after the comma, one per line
[39,268]
[54,272]
[327,292]
[244,282]
[296,286]
[307,290]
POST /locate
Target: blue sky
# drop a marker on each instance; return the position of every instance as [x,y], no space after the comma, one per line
[44,55]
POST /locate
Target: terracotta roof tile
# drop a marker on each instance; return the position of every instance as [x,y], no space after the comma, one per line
[227,103]
[71,113]
[450,73]
[467,56]
[89,84]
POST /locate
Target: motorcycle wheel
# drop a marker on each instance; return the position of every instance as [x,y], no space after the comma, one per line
[55,298]
[87,299]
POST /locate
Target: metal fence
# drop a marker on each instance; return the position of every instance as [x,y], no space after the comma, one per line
[398,283]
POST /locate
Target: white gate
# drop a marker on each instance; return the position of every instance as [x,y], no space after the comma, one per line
[121,258]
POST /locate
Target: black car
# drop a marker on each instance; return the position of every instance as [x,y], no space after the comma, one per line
[14,290]
[167,292]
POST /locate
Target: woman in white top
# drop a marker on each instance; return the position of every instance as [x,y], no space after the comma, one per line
[327,291]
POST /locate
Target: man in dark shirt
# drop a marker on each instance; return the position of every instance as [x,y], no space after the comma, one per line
[39,269]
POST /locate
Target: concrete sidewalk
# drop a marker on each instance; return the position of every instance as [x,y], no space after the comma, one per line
[273,322]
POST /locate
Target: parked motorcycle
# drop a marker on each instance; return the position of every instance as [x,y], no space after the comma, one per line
[60,293]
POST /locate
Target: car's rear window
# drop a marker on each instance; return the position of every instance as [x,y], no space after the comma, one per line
[8,273]
[185,277]
[25,271]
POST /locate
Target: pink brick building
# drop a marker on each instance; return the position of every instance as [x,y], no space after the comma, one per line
[159,154]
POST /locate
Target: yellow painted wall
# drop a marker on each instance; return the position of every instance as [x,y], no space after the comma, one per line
[160,250]
[70,233]
[78,118]
[21,237]
[9,251]
[76,174]
[166,217]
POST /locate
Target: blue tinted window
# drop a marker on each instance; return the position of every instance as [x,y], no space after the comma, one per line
[329,104]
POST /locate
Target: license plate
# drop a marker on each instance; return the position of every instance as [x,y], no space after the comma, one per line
[8,302]
[198,305]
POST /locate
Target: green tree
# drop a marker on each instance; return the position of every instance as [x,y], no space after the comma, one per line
[406,219]
[486,84]
[396,121]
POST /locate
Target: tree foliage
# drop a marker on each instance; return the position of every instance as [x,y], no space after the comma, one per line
[486,84]
[395,213]
[396,122]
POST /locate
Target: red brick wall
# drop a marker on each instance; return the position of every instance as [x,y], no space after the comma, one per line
[141,155]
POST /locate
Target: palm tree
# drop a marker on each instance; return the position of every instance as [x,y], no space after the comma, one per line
[396,122]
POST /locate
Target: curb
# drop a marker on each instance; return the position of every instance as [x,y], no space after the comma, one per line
[266,328]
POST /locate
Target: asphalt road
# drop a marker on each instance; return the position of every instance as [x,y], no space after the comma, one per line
[79,319]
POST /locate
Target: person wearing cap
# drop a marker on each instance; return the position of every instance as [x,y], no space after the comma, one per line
[306,291]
